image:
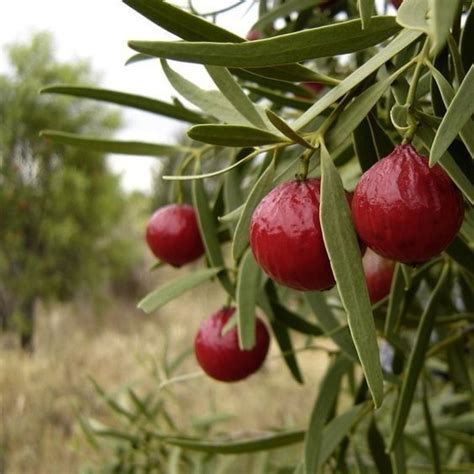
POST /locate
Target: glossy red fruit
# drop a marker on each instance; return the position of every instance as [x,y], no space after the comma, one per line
[220,356]
[173,234]
[378,273]
[286,237]
[404,210]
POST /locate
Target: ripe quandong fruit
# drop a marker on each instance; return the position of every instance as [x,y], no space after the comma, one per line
[404,210]
[220,356]
[173,234]
[378,273]
[286,237]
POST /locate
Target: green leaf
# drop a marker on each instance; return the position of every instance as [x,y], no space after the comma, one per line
[260,188]
[171,290]
[413,15]
[113,146]
[235,95]
[193,28]
[208,231]
[458,114]
[339,38]
[377,448]
[404,39]
[247,445]
[462,254]
[233,135]
[344,253]
[280,99]
[329,391]
[212,102]
[248,286]
[129,100]
[467,40]
[294,321]
[382,141]
[364,145]
[395,302]
[448,164]
[330,324]
[284,128]
[282,337]
[435,449]
[416,362]
[441,16]
[366,10]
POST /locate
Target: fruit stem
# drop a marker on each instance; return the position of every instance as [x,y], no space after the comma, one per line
[411,96]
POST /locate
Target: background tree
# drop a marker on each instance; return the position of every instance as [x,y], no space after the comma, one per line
[59,206]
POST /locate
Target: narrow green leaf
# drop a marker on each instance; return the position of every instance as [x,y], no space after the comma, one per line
[366,10]
[336,430]
[413,15]
[248,286]
[171,290]
[344,253]
[282,337]
[430,429]
[260,188]
[459,112]
[467,40]
[382,141]
[364,145]
[194,28]
[395,302]
[113,146]
[232,215]
[235,95]
[415,362]
[280,99]
[462,254]
[377,448]
[294,321]
[448,164]
[287,130]
[233,135]
[329,390]
[404,39]
[208,230]
[331,325]
[247,445]
[129,100]
[173,461]
[338,38]
[211,102]
[441,16]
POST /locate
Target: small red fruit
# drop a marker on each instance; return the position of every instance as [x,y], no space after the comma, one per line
[378,275]
[253,35]
[173,234]
[286,237]
[404,210]
[220,356]
[396,3]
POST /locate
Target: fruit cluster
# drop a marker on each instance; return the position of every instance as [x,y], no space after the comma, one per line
[402,210]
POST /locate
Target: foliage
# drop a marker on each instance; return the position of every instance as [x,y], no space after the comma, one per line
[408,77]
[59,206]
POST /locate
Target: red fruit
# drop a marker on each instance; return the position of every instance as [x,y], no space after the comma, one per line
[396,3]
[315,87]
[378,275]
[173,235]
[220,356]
[286,237]
[404,210]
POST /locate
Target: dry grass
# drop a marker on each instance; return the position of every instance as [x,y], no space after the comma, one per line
[40,433]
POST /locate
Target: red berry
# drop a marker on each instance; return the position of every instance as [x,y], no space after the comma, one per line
[286,237]
[396,3]
[220,356]
[253,35]
[173,235]
[404,210]
[378,275]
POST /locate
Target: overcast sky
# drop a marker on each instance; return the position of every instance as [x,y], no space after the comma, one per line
[99,30]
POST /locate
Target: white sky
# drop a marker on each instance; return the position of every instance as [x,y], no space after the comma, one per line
[99,30]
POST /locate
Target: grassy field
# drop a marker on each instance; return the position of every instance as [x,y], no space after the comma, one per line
[119,346]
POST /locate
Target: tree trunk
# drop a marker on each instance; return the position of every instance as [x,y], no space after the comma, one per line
[27,310]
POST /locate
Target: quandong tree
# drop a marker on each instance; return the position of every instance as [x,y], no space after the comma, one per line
[379,155]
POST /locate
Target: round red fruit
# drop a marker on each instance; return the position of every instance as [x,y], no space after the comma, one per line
[404,210]
[220,356]
[378,273]
[173,234]
[253,35]
[286,237]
